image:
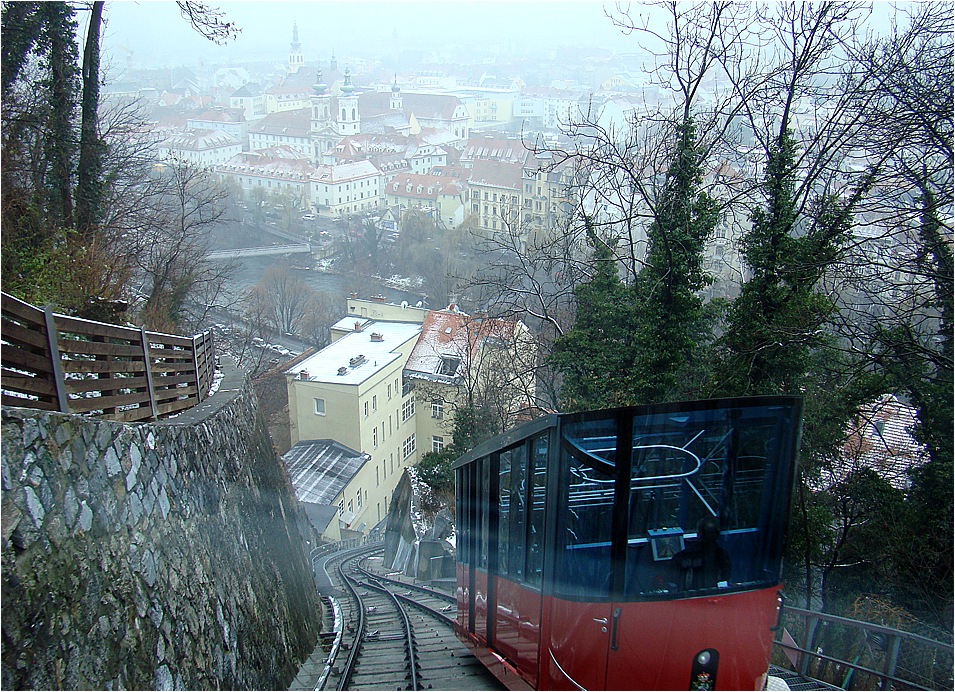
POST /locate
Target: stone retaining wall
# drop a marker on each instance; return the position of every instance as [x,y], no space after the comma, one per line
[161,555]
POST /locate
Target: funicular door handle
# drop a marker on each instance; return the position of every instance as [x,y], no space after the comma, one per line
[613,636]
[603,624]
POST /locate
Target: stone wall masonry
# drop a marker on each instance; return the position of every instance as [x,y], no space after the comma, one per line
[158,555]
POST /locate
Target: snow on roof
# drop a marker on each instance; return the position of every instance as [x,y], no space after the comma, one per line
[881,439]
[348,323]
[358,355]
[196,139]
[320,469]
[449,338]
[345,172]
[443,340]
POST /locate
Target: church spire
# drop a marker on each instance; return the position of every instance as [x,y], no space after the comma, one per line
[296,59]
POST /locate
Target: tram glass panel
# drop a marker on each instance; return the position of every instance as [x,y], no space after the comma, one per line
[512,493]
[585,523]
[703,487]
[538,484]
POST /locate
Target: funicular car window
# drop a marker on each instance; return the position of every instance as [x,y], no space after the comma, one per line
[483,511]
[503,513]
[538,486]
[463,514]
[701,494]
[512,495]
[585,526]
[518,519]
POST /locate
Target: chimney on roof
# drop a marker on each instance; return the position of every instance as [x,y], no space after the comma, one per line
[342,371]
[357,326]
[375,336]
[303,375]
[356,361]
[353,295]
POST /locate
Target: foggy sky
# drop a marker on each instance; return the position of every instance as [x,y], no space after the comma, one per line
[157,35]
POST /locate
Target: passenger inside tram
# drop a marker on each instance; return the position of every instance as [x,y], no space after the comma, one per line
[704,563]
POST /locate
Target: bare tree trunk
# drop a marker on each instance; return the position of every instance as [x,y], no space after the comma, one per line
[89,174]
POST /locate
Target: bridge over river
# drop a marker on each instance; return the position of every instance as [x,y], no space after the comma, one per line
[289,249]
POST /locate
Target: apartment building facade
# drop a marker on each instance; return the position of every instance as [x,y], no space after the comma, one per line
[351,392]
[384,392]
[346,188]
[205,148]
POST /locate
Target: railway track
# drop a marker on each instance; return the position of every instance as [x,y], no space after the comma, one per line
[389,634]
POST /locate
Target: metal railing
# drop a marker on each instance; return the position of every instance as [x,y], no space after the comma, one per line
[855,655]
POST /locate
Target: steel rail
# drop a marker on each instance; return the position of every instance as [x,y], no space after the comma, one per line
[409,633]
[349,668]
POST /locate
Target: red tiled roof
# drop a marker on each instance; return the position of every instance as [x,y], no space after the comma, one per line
[437,184]
[496,174]
[294,123]
[448,335]
[494,149]
[881,439]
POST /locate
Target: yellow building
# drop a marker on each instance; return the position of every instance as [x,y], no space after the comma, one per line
[384,392]
[351,392]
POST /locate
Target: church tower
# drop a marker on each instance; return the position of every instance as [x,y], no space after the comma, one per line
[322,133]
[348,118]
[395,103]
[296,59]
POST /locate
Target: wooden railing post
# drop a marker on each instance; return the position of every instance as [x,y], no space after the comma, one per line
[62,400]
[196,340]
[149,374]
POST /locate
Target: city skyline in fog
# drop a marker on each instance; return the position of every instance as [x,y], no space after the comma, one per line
[154,33]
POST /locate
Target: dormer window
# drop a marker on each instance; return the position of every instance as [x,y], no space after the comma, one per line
[449,366]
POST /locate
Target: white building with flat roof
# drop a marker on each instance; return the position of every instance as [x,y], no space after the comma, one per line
[352,392]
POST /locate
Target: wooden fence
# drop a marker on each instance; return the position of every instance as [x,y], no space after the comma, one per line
[61,363]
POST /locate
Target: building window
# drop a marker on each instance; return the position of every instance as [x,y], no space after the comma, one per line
[319,407]
[408,447]
[407,410]
[374,436]
[389,391]
[366,409]
[358,504]
[341,507]
[351,507]
[374,402]
[437,443]
[437,409]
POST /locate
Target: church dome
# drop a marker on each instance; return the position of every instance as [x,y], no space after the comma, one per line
[319,87]
[347,87]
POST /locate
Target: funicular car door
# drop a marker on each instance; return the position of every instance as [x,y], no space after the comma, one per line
[517,592]
[700,544]
[580,611]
